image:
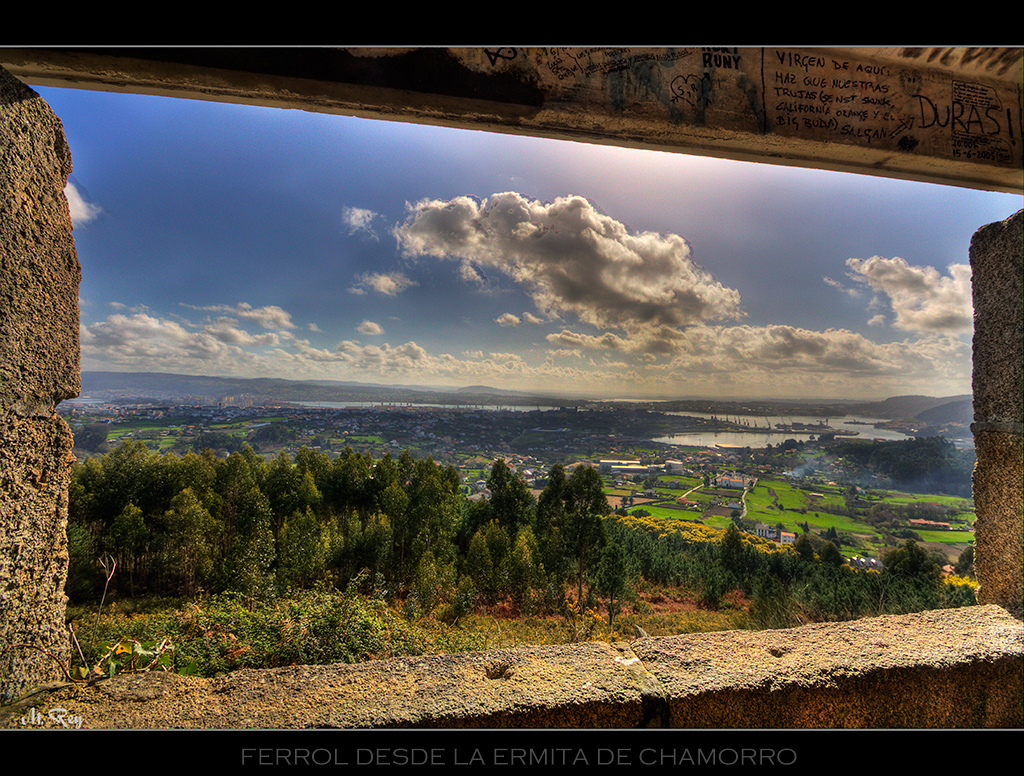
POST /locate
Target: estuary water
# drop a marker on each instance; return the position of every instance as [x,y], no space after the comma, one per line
[763,429]
[764,432]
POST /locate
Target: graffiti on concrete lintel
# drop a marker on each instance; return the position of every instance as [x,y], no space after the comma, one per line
[692,89]
[567,63]
[504,52]
[724,58]
[821,97]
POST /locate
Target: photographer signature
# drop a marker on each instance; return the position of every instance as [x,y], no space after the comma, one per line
[61,717]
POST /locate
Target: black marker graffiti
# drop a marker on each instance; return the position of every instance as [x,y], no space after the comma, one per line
[570,62]
[693,94]
[961,117]
[505,52]
[728,58]
[904,124]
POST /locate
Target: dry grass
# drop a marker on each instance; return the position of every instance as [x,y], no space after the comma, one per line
[221,634]
[659,612]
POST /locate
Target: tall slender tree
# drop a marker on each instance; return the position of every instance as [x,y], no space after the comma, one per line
[612,578]
[583,529]
[512,503]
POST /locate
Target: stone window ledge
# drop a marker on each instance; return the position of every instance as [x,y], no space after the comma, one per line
[952,668]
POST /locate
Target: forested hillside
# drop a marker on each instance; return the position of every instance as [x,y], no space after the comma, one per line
[182,525]
[924,464]
[177,525]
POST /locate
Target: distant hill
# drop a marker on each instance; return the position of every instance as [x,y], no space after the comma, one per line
[958,411]
[162,387]
[905,407]
[488,391]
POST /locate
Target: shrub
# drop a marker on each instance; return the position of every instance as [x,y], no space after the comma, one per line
[226,632]
[958,591]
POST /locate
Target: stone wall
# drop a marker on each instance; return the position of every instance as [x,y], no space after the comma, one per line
[39,276]
[949,668]
[997,263]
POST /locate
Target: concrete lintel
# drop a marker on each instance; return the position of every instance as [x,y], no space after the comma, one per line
[943,668]
[949,115]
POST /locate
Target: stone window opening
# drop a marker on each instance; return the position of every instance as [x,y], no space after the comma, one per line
[39,359]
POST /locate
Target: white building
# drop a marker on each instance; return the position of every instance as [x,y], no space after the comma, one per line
[730,482]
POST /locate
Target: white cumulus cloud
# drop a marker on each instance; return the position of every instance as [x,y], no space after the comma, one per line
[388,283]
[226,330]
[359,221]
[370,328]
[922,299]
[269,317]
[82,212]
[572,259]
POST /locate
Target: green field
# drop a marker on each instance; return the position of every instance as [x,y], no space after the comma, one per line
[361,439]
[947,537]
[961,504]
[776,501]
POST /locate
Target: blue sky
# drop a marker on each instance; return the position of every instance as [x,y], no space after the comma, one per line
[222,239]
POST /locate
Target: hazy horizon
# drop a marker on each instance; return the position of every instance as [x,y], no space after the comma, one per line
[229,240]
[497,392]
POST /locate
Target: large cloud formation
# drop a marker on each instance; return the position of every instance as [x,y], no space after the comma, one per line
[143,341]
[770,360]
[572,259]
[617,312]
[923,300]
